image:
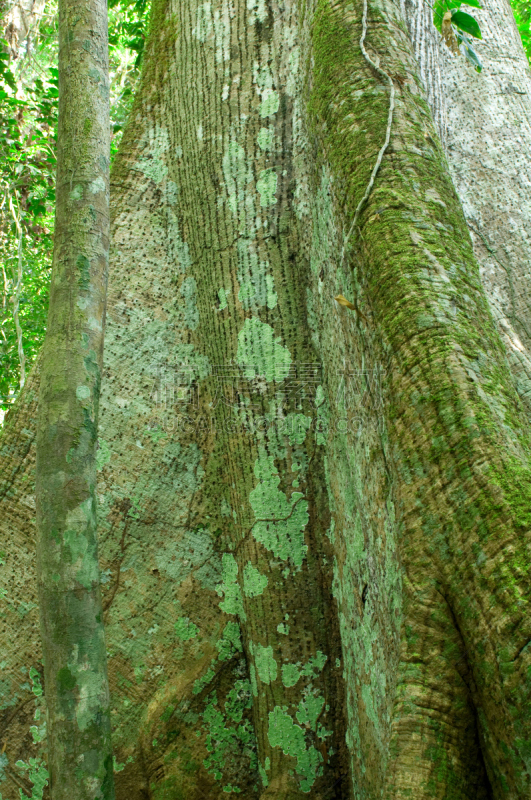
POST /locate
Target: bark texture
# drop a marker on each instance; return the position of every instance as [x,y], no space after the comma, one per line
[77,691]
[450,400]
[314,580]
[484,121]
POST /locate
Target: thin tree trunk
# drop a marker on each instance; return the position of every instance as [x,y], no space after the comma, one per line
[76,686]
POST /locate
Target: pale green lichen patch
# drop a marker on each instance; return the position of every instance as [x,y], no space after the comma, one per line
[283,628]
[185,630]
[290,674]
[283,732]
[103,454]
[222,296]
[232,602]
[258,11]
[83,393]
[260,353]
[263,776]
[203,22]
[229,734]
[97,186]
[76,193]
[280,520]
[254,582]
[295,426]
[315,664]
[230,641]
[272,297]
[153,166]
[266,666]
[266,186]
[91,688]
[270,103]
[265,139]
[193,550]
[257,285]
[309,709]
[191,312]
[236,175]
[200,683]
[225,508]
[81,556]
[37,774]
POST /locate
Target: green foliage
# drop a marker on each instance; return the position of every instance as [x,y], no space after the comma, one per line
[522,15]
[442,6]
[28,123]
[461,27]
[128,21]
[466,23]
[28,118]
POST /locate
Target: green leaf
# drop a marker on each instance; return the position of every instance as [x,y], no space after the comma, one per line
[439,10]
[466,23]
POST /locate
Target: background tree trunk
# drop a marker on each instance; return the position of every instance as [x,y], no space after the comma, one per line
[77,691]
[213,482]
[484,121]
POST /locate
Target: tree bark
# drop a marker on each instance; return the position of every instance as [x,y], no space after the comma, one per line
[311,534]
[75,669]
[484,121]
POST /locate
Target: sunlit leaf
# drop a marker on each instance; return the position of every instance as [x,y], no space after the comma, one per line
[466,23]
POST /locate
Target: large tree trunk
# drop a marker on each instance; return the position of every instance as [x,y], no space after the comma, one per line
[313,573]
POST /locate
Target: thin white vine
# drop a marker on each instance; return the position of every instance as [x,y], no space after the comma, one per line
[384,75]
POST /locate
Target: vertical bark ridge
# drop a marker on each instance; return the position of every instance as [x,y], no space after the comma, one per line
[360,478]
[235,127]
[182,692]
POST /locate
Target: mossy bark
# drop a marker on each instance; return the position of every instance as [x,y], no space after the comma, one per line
[75,669]
[488,160]
[459,433]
